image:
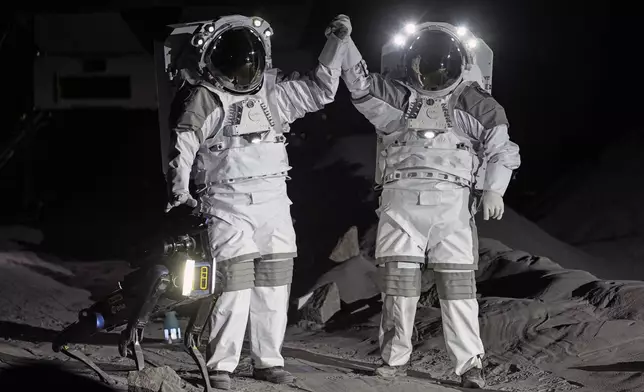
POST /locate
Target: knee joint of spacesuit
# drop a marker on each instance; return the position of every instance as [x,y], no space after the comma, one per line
[273,273]
[403,282]
[236,276]
[455,285]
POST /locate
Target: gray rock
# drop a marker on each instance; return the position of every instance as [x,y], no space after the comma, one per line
[157,379]
[322,305]
[357,279]
[347,247]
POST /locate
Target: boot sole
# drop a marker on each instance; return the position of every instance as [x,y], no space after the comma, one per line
[281,380]
[219,384]
[473,385]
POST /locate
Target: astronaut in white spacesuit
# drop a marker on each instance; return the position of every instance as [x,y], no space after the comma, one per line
[438,130]
[227,123]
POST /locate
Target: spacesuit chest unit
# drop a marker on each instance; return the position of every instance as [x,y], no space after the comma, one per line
[435,64]
[249,142]
[428,144]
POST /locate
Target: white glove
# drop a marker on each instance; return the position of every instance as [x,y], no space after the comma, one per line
[179,199]
[493,206]
[340,26]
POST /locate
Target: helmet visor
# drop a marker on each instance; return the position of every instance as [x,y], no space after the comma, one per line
[237,58]
[434,60]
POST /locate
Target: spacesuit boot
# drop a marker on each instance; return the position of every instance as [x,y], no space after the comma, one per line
[386,371]
[276,375]
[473,378]
[220,380]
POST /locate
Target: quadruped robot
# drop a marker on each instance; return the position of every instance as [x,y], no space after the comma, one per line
[180,273]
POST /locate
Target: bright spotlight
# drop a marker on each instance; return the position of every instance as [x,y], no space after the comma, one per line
[410,28]
[472,43]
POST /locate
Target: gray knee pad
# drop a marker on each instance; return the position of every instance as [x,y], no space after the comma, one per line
[236,276]
[273,273]
[404,282]
[455,285]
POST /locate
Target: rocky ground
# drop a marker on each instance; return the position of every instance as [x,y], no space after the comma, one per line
[545,328]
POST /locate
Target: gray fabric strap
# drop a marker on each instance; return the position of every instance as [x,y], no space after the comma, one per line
[426,174]
[242,258]
[233,180]
[236,276]
[453,266]
[273,273]
[279,256]
[409,259]
[455,285]
[404,282]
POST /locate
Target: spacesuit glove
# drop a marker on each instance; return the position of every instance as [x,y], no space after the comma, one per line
[340,26]
[179,199]
[493,206]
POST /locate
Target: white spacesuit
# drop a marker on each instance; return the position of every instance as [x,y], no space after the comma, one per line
[227,123]
[438,130]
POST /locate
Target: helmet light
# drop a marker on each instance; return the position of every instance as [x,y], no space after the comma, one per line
[198,40]
[410,28]
[399,40]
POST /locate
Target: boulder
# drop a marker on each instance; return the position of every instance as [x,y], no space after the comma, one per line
[356,278]
[322,304]
[347,247]
[157,379]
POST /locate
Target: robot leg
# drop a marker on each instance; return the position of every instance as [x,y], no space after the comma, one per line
[157,281]
[193,335]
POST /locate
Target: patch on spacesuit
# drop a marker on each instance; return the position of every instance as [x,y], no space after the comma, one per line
[479,104]
[429,198]
[482,91]
[190,108]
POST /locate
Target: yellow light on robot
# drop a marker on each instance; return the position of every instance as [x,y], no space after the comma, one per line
[257,22]
[461,31]
[471,44]
[268,33]
[399,40]
[188,277]
[256,140]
